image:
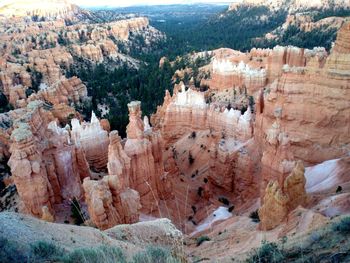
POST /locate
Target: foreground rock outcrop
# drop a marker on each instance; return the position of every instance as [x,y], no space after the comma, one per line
[24,231]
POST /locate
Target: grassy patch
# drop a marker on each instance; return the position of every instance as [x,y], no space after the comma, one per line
[343,226]
[11,252]
[45,251]
[155,255]
[105,254]
[267,253]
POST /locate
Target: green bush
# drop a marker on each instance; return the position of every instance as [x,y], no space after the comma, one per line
[104,254]
[10,252]
[343,226]
[154,255]
[44,251]
[267,253]
[202,239]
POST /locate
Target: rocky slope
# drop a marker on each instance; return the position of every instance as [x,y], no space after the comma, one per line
[131,239]
[48,10]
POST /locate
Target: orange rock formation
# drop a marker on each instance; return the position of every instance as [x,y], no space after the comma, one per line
[45,172]
[279,201]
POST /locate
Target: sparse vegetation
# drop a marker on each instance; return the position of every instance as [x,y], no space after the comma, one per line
[255,216]
[190,159]
[76,211]
[328,244]
[193,135]
[267,253]
[106,254]
[200,191]
[231,208]
[339,189]
[11,252]
[202,239]
[43,251]
[36,79]
[224,200]
[343,226]
[155,255]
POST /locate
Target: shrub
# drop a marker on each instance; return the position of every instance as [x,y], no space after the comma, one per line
[104,254]
[343,226]
[255,216]
[10,252]
[190,158]
[44,251]
[77,214]
[154,255]
[230,209]
[339,189]
[202,239]
[193,135]
[200,191]
[267,253]
[224,200]
[194,209]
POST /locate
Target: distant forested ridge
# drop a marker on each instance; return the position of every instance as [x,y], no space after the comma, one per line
[189,28]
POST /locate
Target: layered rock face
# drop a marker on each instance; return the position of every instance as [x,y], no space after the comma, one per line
[136,176]
[50,9]
[317,128]
[45,173]
[122,29]
[187,111]
[145,147]
[314,131]
[107,207]
[232,164]
[300,113]
[226,75]
[64,91]
[111,201]
[280,201]
[93,139]
[255,70]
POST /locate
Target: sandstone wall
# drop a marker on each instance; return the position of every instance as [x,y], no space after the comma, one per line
[94,140]
[45,165]
[187,111]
